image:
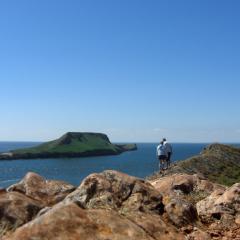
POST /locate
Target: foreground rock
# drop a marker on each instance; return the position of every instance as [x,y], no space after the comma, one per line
[181,213]
[189,187]
[70,222]
[202,209]
[117,191]
[221,205]
[16,209]
[180,194]
[48,192]
[109,205]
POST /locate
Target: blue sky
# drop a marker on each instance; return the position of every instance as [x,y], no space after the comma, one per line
[136,70]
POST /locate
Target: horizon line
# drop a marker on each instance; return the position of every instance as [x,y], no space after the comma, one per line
[137,142]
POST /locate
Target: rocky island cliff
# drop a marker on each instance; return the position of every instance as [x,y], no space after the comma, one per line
[181,204]
[71,144]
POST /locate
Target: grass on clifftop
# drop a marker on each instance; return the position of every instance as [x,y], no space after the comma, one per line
[219,163]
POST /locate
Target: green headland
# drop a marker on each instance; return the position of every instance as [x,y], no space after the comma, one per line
[71,144]
[217,162]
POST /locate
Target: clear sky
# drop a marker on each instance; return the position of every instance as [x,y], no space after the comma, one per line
[137,70]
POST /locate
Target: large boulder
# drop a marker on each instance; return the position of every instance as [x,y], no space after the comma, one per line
[49,192]
[192,188]
[70,222]
[16,209]
[221,205]
[155,226]
[181,213]
[184,183]
[118,191]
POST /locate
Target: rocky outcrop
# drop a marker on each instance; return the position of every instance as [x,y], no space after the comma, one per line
[155,225]
[185,183]
[202,209]
[72,222]
[117,191]
[220,211]
[181,212]
[48,192]
[108,205]
[16,209]
[221,205]
[114,205]
[189,187]
[180,193]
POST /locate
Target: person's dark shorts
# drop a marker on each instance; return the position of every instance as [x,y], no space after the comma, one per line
[162,157]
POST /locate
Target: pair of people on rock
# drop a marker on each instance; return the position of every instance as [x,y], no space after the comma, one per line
[164,152]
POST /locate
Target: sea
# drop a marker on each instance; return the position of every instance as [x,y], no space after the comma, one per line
[140,163]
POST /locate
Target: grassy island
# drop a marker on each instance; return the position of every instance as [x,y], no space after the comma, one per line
[71,144]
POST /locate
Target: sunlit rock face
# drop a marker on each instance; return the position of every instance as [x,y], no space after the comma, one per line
[69,221]
[117,191]
[221,205]
[48,192]
[16,209]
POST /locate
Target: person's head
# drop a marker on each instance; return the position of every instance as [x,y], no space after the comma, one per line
[161,143]
[164,140]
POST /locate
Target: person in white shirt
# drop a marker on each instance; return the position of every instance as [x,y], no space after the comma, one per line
[162,155]
[169,151]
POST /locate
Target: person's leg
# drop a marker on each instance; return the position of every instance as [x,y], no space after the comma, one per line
[165,163]
[160,163]
[168,164]
[169,160]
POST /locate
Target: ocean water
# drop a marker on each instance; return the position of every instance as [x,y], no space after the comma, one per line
[140,163]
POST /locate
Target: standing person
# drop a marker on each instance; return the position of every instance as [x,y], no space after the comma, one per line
[168,147]
[162,155]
